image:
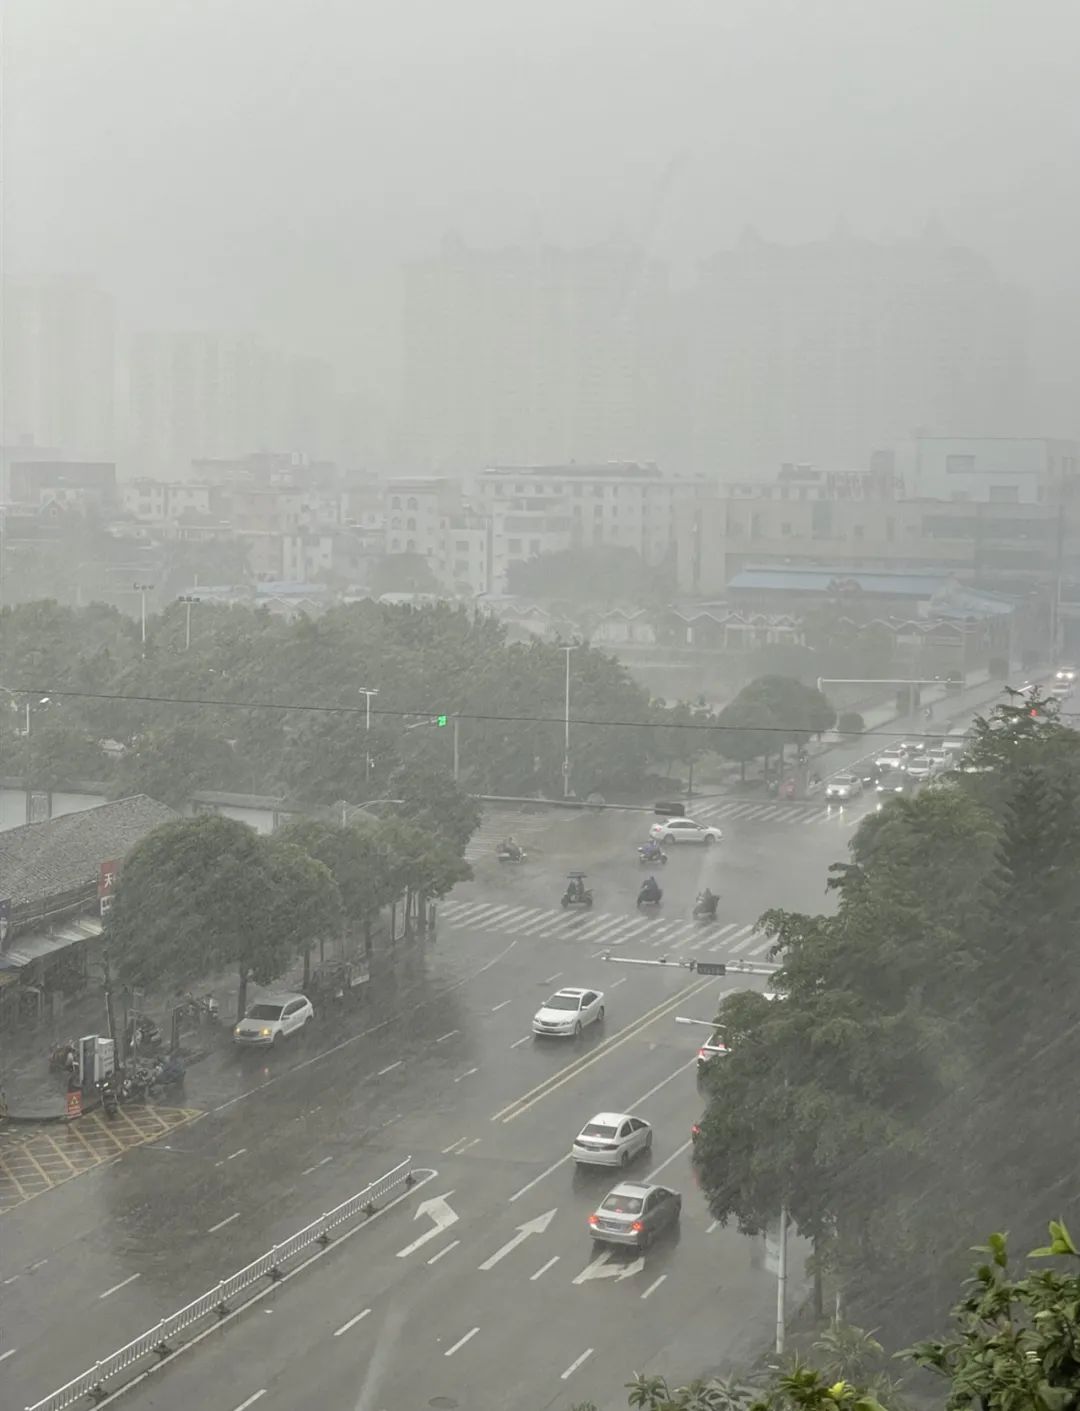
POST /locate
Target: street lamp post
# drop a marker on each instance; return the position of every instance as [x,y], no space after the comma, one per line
[188,600]
[367,693]
[566,731]
[142,589]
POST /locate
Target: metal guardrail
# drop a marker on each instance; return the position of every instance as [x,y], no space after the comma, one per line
[215,1303]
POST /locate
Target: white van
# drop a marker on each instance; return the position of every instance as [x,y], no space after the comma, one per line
[955,744]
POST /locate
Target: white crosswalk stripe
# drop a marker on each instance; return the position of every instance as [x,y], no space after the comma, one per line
[808,815]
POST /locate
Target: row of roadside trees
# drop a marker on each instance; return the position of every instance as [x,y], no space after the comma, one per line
[257,705]
[206,896]
[915,1084]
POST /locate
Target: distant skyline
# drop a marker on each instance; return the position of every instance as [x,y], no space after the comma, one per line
[271,164]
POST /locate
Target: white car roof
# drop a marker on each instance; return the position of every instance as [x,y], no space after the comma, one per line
[574,990]
[610,1119]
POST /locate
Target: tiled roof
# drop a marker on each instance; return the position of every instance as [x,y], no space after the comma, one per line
[62,855]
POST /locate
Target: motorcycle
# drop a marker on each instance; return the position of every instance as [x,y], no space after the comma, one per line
[705,907]
[649,895]
[110,1103]
[577,894]
[507,852]
[166,1073]
[651,852]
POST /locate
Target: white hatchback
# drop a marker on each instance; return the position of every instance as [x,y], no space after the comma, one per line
[612,1139]
[272,1018]
[684,830]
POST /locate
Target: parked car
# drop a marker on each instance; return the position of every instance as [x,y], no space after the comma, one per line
[568,1012]
[273,1018]
[612,1139]
[843,786]
[634,1214]
[684,830]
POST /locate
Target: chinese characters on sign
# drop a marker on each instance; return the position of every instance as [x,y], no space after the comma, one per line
[106,884]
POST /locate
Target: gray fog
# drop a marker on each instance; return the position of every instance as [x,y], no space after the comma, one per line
[269,165]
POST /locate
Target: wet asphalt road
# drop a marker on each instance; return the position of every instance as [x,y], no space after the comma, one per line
[445,1072]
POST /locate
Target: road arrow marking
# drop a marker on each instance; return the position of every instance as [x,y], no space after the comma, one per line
[601,1268]
[439,1211]
[531,1227]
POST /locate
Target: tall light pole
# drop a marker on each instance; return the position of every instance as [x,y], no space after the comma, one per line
[566,732]
[367,693]
[188,600]
[142,589]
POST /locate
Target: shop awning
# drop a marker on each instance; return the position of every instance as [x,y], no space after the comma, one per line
[32,945]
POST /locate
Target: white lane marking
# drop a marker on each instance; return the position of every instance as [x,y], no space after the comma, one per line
[39,1265]
[654,1286]
[577,1363]
[445,1250]
[11,1280]
[443,1038]
[744,940]
[620,981]
[528,918]
[309,1169]
[597,921]
[251,1400]
[673,1157]
[661,1084]
[9,1353]
[525,1040]
[352,1322]
[542,1177]
[551,978]
[510,917]
[496,1007]
[222,1223]
[460,1343]
[470,912]
[121,1285]
[467,1074]
[452,1147]
[531,1227]
[469,1146]
[389,1068]
[544,1268]
[438,1210]
[715,1225]
[236,1154]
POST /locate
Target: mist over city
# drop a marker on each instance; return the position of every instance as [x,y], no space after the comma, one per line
[539,750]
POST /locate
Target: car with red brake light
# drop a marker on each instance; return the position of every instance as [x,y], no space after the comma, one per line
[713,1048]
[635,1213]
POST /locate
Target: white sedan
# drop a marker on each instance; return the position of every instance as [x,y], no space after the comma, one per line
[612,1139]
[684,830]
[567,1013]
[843,786]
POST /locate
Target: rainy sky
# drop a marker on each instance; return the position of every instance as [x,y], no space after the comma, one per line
[269,163]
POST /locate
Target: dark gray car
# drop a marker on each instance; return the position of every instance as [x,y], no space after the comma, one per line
[634,1214]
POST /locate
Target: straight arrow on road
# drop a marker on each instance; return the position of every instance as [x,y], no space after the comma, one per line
[601,1268]
[438,1210]
[531,1227]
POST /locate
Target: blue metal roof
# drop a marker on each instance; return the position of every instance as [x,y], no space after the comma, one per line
[822,580]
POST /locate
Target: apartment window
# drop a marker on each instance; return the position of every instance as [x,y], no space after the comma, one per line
[598,511]
[395,523]
[461,546]
[755,526]
[513,546]
[577,490]
[959,465]
[395,546]
[410,546]
[412,503]
[410,523]
[1005,494]
[395,503]
[519,489]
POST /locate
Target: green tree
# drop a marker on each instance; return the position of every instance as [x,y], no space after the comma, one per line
[745,732]
[423,866]
[430,798]
[358,861]
[207,894]
[173,764]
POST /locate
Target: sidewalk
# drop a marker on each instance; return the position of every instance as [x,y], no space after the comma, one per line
[33,1093]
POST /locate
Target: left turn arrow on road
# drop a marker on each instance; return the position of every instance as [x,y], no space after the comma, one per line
[438,1210]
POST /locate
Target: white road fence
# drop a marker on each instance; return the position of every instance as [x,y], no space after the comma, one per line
[161,1341]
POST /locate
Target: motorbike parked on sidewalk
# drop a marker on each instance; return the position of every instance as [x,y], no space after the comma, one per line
[110,1102]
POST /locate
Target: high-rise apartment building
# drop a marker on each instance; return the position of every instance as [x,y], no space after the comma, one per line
[531,355]
[821,352]
[208,395]
[57,382]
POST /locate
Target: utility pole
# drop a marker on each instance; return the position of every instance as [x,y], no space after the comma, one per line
[457,757]
[566,732]
[188,600]
[367,694]
[781,1281]
[142,589]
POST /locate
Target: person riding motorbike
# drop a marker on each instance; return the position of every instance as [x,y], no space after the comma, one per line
[651,850]
[511,848]
[576,890]
[650,890]
[707,903]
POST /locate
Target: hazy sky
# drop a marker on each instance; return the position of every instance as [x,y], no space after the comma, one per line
[268,163]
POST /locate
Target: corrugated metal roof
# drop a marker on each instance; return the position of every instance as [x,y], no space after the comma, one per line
[812,580]
[34,944]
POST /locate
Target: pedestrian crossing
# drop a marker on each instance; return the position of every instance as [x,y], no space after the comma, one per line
[494,827]
[677,936]
[805,815]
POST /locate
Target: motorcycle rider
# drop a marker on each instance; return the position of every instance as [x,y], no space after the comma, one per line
[707,902]
[650,890]
[651,850]
[576,890]
[511,848]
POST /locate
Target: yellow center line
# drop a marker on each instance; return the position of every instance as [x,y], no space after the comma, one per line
[579,1065]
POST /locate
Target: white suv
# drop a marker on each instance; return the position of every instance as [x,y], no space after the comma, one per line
[272,1018]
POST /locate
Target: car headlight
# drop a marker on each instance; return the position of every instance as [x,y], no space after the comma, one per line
[265,1033]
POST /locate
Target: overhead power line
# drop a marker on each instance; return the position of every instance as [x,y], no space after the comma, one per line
[59,693]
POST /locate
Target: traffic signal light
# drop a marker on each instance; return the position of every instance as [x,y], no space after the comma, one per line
[440,720]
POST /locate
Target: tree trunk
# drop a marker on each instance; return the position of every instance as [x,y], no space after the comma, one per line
[819,1292]
[421,912]
[408,911]
[367,932]
[307,969]
[241,998]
